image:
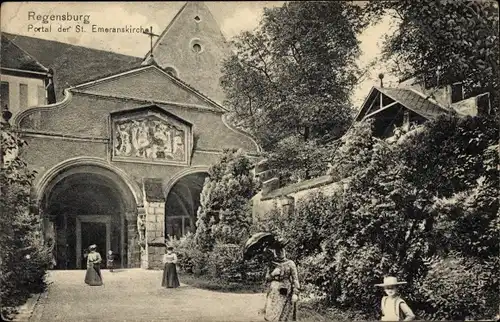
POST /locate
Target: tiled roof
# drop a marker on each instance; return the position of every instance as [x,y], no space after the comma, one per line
[413,101]
[14,57]
[72,64]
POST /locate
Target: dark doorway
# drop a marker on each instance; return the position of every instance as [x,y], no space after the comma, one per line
[84,195]
[93,233]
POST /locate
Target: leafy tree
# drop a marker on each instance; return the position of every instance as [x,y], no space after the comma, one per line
[23,257]
[224,214]
[456,38]
[289,81]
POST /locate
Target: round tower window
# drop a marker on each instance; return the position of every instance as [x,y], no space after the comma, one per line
[197,19]
[171,71]
[197,48]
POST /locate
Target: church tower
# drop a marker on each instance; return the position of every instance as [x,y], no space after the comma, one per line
[192,48]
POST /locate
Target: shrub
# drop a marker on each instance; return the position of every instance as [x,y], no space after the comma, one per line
[455,288]
[389,221]
[23,257]
[224,213]
[226,263]
[190,258]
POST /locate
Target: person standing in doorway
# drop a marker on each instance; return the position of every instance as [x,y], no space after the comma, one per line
[110,260]
[93,276]
[170,278]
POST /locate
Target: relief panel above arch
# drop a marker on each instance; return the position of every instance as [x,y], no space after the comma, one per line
[150,135]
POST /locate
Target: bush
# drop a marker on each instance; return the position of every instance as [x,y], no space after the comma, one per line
[190,258]
[226,262]
[455,288]
[23,257]
[224,214]
[389,222]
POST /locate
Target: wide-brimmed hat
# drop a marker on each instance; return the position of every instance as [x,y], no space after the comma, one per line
[390,281]
[94,246]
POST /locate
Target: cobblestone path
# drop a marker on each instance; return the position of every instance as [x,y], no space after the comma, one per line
[136,295]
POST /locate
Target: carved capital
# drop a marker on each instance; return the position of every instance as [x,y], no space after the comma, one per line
[141,211]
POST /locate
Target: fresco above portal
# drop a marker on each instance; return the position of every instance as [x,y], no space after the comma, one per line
[149,138]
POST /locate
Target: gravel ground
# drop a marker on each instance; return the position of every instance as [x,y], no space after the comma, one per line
[137,295]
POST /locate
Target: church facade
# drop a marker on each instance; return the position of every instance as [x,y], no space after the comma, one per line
[122,159]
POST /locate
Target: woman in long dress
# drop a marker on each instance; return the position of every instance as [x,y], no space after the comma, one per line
[284,286]
[93,276]
[170,278]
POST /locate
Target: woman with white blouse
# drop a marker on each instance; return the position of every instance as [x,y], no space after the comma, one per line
[170,278]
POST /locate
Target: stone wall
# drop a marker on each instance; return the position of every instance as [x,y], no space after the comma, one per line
[286,198]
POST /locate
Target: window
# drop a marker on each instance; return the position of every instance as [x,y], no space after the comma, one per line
[42,99]
[483,104]
[197,48]
[457,92]
[23,95]
[196,45]
[4,95]
[171,71]
[197,19]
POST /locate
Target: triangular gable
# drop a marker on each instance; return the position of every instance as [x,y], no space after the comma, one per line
[148,83]
[366,103]
[183,10]
[153,108]
[408,98]
[194,48]
[162,36]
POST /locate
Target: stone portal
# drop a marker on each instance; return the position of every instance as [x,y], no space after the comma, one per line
[182,205]
[170,217]
[90,205]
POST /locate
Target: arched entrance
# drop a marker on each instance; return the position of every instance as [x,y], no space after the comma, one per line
[84,205]
[183,200]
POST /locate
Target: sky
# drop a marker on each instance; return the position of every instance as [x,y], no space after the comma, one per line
[233,17]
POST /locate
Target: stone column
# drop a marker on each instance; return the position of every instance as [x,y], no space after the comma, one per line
[155,234]
[154,205]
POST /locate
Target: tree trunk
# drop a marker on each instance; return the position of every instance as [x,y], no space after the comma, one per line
[306,165]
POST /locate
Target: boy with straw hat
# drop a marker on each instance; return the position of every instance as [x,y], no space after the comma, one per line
[393,306]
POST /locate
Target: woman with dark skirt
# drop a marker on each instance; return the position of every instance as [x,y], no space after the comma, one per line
[93,276]
[170,279]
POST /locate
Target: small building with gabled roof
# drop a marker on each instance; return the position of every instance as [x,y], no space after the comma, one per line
[410,105]
[25,81]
